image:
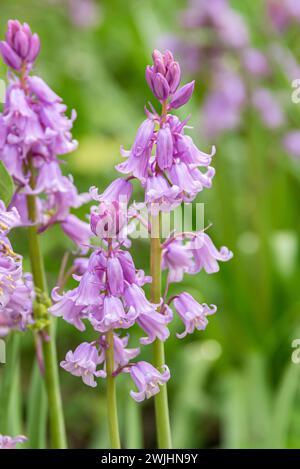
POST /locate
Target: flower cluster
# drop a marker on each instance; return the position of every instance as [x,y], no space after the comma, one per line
[16,287]
[110,293]
[170,175]
[34,131]
[110,296]
[8,442]
[240,75]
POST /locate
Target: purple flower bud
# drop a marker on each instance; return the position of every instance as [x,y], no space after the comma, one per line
[168,58]
[161,87]
[149,74]
[173,76]
[20,45]
[182,96]
[147,379]
[158,61]
[34,50]
[10,57]
[164,148]
[115,278]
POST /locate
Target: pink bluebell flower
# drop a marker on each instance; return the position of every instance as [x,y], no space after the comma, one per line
[83,362]
[147,379]
[193,314]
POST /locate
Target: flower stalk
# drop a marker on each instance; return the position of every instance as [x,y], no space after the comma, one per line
[161,399]
[57,426]
[112,411]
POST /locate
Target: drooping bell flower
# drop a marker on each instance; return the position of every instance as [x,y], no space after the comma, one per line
[83,362]
[206,255]
[147,379]
[193,314]
[178,258]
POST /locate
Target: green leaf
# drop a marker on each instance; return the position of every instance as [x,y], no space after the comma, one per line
[36,411]
[6,185]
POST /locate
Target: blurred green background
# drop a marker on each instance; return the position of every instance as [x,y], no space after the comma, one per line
[234,385]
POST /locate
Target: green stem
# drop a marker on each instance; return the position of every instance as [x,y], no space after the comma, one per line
[9,418]
[161,399]
[57,426]
[112,412]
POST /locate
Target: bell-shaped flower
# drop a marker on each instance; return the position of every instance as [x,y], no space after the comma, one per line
[193,314]
[206,255]
[83,362]
[147,379]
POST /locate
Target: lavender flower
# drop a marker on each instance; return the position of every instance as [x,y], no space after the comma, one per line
[16,287]
[192,314]
[171,175]
[34,132]
[206,255]
[283,12]
[147,379]
[83,362]
[291,143]
[8,442]
[269,109]
[191,254]
[178,258]
[109,295]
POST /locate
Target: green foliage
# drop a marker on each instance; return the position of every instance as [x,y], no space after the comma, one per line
[6,185]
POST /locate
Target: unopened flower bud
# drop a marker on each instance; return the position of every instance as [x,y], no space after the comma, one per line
[20,45]
[182,96]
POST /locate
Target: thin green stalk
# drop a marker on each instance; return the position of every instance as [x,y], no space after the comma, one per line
[9,409]
[161,399]
[112,411]
[57,426]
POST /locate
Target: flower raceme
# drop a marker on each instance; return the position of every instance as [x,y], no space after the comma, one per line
[34,131]
[110,294]
[163,157]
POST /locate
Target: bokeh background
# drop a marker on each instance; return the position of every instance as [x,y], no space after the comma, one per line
[234,385]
